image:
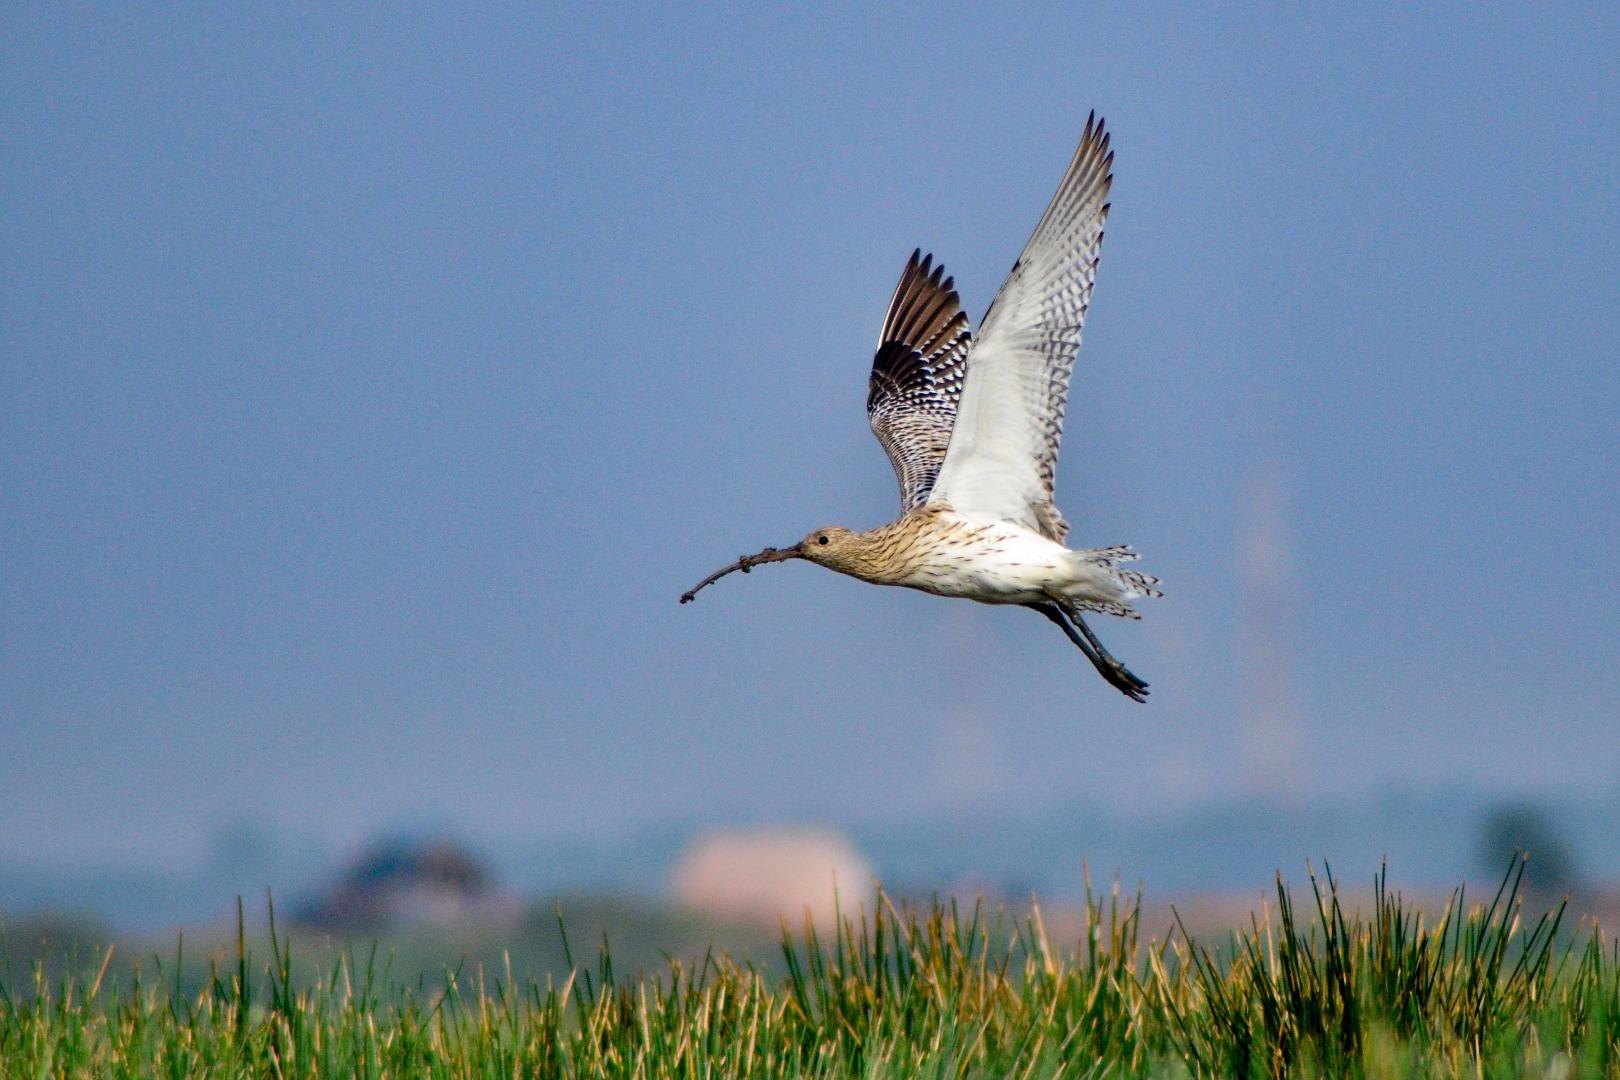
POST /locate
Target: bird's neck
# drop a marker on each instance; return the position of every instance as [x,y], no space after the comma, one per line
[888,554]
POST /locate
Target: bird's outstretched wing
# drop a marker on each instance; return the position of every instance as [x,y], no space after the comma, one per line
[1002,457]
[917,375]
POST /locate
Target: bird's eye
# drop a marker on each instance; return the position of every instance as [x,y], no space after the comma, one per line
[822,540]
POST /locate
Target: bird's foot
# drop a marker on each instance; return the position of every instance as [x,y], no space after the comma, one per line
[1121,678]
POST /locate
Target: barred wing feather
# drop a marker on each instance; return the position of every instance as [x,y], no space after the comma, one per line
[917,375]
[1002,456]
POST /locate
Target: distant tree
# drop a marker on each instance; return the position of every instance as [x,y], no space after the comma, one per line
[1550,869]
[408,880]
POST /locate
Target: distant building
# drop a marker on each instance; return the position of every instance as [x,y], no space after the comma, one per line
[766,873]
[411,881]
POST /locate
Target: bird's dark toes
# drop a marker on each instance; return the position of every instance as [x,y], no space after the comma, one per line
[1121,678]
[1129,676]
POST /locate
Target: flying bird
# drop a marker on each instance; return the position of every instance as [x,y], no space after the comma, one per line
[972,422]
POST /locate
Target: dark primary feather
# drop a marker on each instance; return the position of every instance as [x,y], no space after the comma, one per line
[917,375]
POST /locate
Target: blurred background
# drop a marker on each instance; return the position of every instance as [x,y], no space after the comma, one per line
[373,383]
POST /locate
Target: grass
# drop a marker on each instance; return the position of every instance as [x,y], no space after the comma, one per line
[1309,988]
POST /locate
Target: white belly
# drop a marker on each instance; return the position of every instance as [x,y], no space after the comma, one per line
[1000,563]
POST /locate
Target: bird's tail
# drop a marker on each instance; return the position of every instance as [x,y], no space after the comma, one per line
[1129,584]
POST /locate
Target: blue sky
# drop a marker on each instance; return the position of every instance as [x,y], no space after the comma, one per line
[372,384]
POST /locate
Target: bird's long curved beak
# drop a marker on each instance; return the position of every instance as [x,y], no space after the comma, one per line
[745,564]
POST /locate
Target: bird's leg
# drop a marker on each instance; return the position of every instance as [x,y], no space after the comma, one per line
[1106,656]
[1053,612]
[1113,672]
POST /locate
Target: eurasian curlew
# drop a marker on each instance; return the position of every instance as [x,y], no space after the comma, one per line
[972,424]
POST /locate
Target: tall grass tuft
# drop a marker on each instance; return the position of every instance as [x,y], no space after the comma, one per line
[1306,989]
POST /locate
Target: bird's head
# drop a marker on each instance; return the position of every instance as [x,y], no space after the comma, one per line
[832,546]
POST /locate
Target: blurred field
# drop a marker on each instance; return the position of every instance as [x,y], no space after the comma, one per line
[534,945]
[1311,986]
